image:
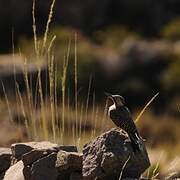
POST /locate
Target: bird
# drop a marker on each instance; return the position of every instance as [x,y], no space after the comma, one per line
[122,118]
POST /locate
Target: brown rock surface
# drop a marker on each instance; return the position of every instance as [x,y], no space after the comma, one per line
[69,161]
[44,168]
[19,149]
[34,155]
[76,176]
[110,154]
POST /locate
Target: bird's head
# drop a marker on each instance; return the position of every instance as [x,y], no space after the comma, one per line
[116,100]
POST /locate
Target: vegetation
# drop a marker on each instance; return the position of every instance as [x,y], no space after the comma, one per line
[171,31]
[66,119]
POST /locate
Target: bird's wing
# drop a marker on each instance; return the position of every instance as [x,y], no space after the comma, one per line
[123,119]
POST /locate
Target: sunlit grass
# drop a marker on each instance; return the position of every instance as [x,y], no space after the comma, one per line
[145,107]
[58,119]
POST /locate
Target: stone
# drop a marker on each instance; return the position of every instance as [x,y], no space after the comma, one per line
[39,159]
[44,168]
[19,149]
[111,156]
[41,163]
[2,176]
[27,172]
[76,176]
[15,172]
[69,161]
[68,148]
[35,154]
[5,159]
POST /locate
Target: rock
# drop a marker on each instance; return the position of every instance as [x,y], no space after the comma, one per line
[76,176]
[5,159]
[39,159]
[44,168]
[44,147]
[69,148]
[111,154]
[69,161]
[2,176]
[34,155]
[19,149]
[27,172]
[15,172]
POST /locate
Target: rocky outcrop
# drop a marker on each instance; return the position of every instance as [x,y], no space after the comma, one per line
[33,149]
[20,149]
[39,159]
[110,156]
[107,157]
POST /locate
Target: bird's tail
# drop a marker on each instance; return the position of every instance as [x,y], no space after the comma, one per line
[136,142]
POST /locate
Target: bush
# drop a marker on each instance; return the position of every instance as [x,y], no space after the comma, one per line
[171,31]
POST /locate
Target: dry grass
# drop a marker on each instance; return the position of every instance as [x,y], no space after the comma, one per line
[62,122]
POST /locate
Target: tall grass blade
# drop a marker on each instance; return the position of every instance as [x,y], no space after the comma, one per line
[7,102]
[30,100]
[76,85]
[145,107]
[23,110]
[34,29]
[48,24]
[155,172]
[43,112]
[87,103]
[63,86]
[52,94]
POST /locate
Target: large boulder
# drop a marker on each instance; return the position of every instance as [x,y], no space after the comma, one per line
[111,156]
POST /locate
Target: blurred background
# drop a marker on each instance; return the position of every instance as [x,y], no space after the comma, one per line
[123,47]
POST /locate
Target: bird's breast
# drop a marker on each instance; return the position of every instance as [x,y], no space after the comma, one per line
[111,108]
